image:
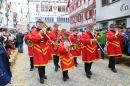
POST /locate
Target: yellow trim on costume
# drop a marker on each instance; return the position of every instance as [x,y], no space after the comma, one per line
[90,61]
[118,45]
[92,51]
[116,36]
[67,63]
[66,49]
[40,65]
[30,56]
[114,55]
[91,47]
[91,42]
[68,68]
[40,35]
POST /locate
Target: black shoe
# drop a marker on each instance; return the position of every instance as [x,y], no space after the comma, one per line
[42,81]
[90,73]
[88,76]
[67,77]
[64,79]
[45,77]
[114,70]
[31,69]
[56,68]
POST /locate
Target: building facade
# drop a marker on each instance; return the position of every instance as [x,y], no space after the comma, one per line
[49,11]
[82,13]
[112,12]
[6,14]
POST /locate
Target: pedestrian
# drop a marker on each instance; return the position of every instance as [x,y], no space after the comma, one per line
[5,73]
[89,50]
[102,42]
[19,38]
[113,46]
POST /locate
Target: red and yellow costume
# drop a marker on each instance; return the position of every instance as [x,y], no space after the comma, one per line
[66,62]
[89,49]
[77,52]
[113,44]
[40,48]
[53,39]
[30,49]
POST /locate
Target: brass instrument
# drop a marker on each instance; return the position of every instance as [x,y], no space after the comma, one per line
[48,30]
[29,43]
[98,34]
[58,38]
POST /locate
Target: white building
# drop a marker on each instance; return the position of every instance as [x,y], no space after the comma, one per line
[49,11]
[4,21]
[112,12]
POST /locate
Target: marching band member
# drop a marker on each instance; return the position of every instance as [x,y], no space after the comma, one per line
[74,39]
[121,42]
[113,46]
[89,50]
[66,58]
[55,35]
[30,48]
[40,50]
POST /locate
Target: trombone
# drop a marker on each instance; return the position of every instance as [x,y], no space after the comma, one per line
[98,43]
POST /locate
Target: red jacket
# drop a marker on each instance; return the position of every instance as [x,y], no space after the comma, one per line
[89,50]
[77,52]
[65,59]
[30,50]
[113,44]
[40,48]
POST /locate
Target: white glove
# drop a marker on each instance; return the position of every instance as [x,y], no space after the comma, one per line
[66,44]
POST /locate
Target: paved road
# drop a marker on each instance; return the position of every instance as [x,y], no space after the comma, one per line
[102,76]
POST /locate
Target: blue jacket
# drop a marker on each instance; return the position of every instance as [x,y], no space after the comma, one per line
[5,74]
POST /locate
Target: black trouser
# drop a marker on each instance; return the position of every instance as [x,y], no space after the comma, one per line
[87,67]
[56,60]
[31,62]
[65,73]
[75,60]
[102,53]
[112,62]
[41,71]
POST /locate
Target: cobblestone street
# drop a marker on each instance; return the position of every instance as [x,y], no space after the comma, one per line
[102,75]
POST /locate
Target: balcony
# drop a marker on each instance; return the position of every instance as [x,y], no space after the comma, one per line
[82,23]
[83,7]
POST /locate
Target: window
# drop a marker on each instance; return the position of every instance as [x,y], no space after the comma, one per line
[59,8]
[107,2]
[45,8]
[63,8]
[74,6]
[104,25]
[79,17]
[37,6]
[104,2]
[42,8]
[79,3]
[50,8]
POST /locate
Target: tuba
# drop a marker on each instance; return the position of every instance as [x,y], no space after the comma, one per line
[29,43]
